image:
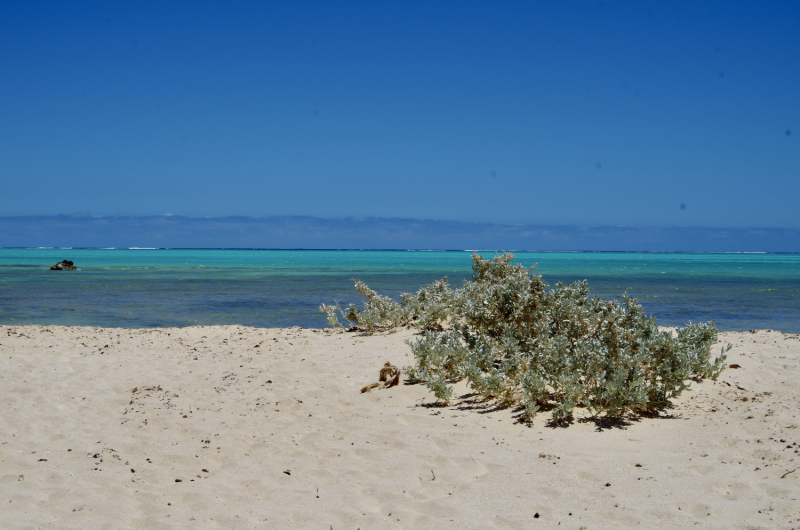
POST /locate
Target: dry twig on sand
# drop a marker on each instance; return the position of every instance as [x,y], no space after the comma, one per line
[389,377]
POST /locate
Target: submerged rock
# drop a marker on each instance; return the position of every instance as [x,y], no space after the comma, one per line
[64,266]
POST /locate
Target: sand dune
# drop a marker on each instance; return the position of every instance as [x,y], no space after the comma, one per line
[233,427]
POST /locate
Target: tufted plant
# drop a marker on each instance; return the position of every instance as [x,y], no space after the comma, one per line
[518,341]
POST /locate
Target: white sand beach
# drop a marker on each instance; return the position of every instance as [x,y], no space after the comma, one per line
[234,427]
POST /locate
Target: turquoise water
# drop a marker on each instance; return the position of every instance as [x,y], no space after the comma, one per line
[169,287]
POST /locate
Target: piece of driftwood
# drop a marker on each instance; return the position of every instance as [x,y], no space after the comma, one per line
[389,377]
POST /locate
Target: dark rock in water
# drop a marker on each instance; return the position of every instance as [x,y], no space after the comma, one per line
[64,266]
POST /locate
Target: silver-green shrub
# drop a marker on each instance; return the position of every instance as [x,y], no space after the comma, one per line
[517,341]
[380,313]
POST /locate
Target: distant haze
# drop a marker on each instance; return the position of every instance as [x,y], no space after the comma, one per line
[376,233]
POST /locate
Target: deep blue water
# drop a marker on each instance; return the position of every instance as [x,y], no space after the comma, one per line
[171,287]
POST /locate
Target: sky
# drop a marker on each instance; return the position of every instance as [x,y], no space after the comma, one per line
[650,114]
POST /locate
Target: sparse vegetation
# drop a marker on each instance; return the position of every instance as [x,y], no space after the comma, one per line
[517,341]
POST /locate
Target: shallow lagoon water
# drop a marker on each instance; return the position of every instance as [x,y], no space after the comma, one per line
[278,288]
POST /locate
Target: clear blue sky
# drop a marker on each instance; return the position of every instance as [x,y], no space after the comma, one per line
[585,113]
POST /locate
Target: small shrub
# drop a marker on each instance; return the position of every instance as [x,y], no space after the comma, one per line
[380,313]
[517,341]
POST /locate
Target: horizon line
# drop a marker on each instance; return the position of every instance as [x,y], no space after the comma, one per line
[407,250]
[374,217]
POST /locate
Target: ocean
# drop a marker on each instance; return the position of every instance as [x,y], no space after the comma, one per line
[140,288]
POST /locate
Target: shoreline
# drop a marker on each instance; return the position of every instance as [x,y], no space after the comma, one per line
[267,428]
